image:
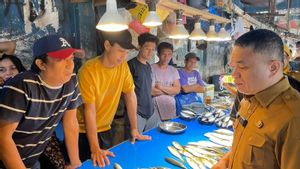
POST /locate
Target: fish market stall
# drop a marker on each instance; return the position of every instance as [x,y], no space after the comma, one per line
[189,148]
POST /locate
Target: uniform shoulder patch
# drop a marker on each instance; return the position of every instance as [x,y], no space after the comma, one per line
[292,99]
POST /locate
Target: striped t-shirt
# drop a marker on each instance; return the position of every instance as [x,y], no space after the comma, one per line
[38,108]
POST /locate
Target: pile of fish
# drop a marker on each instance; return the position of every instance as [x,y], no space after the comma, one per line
[201,154]
[219,117]
[222,102]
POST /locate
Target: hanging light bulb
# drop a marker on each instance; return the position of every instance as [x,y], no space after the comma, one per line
[179,31]
[211,34]
[223,34]
[112,21]
[197,33]
[152,19]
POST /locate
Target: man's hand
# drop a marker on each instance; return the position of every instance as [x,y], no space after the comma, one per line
[220,165]
[223,162]
[136,135]
[158,86]
[100,157]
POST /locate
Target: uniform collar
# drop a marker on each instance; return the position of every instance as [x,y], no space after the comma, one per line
[267,96]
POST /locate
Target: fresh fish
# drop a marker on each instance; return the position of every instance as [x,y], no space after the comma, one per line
[187,115]
[224,124]
[117,166]
[200,163]
[200,151]
[188,108]
[207,114]
[206,120]
[229,124]
[175,152]
[225,143]
[188,112]
[213,161]
[205,144]
[220,119]
[193,152]
[219,123]
[207,163]
[192,163]
[219,113]
[175,162]
[211,119]
[219,136]
[185,153]
[177,145]
[218,151]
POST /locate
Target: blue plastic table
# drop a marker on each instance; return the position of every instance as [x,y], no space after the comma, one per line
[144,154]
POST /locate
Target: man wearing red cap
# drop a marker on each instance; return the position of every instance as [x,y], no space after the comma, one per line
[33,102]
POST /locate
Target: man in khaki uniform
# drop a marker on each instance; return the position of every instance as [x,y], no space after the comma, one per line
[267,130]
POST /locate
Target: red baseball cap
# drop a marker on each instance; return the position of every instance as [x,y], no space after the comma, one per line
[54,46]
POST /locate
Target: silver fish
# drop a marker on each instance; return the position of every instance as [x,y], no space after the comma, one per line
[185,153]
[229,124]
[219,136]
[175,152]
[192,163]
[117,166]
[205,144]
[177,145]
[201,151]
[200,163]
[207,163]
[188,112]
[225,143]
[193,152]
[175,162]
[207,114]
[186,115]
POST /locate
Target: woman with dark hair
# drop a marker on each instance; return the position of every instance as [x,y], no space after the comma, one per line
[10,66]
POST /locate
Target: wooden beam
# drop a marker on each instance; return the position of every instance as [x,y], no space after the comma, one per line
[188,11]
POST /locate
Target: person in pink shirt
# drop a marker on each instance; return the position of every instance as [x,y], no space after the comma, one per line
[165,83]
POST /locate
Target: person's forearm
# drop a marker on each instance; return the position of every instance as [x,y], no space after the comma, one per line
[156,92]
[71,131]
[226,158]
[170,90]
[9,153]
[193,88]
[131,106]
[91,129]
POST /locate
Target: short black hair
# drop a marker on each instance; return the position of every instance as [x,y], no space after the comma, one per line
[191,55]
[122,38]
[34,67]
[15,60]
[164,45]
[262,41]
[147,37]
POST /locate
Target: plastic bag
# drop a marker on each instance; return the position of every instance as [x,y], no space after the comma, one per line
[184,99]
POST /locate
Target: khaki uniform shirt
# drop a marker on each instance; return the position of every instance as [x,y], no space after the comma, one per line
[271,137]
